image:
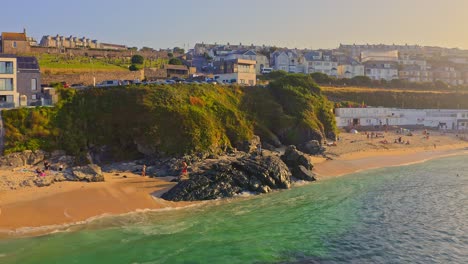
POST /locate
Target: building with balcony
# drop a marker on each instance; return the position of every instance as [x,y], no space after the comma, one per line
[20,81]
[236,71]
[378,70]
[319,61]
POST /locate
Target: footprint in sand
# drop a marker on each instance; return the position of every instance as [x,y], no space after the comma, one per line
[66,214]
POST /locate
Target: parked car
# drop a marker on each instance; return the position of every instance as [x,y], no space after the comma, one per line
[109,83]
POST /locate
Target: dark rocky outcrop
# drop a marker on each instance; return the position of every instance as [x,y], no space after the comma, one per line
[231,177]
[312,147]
[25,158]
[299,163]
[249,146]
[304,174]
[294,158]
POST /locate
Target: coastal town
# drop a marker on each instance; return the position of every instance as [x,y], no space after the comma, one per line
[208,131]
[26,83]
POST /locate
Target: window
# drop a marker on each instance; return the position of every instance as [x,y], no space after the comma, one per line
[34,97]
[34,84]
[14,44]
[242,81]
[6,84]
[251,82]
[6,67]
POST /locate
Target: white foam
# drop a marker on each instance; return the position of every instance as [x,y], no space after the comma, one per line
[64,228]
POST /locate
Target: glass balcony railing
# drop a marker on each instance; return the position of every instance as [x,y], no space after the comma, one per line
[7,105]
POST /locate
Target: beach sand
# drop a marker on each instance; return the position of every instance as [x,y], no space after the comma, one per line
[356,152]
[72,202]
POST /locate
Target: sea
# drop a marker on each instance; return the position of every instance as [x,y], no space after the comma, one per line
[409,214]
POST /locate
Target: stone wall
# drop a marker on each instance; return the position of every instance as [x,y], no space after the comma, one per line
[99,53]
[155,73]
[87,78]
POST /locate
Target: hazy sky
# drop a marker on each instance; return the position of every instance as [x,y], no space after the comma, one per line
[291,23]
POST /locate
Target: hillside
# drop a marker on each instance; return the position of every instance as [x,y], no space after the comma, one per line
[65,64]
[172,120]
[398,97]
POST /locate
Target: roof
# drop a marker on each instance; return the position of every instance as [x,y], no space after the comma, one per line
[13,36]
[175,67]
[27,63]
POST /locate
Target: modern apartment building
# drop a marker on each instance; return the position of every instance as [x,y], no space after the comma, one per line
[236,71]
[20,81]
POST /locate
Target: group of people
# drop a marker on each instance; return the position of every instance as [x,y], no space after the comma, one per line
[42,173]
[401,141]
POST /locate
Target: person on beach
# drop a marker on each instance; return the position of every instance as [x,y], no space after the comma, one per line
[259,150]
[38,172]
[46,165]
[143,171]
[184,171]
[60,167]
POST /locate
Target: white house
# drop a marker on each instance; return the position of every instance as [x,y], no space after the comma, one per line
[286,60]
[349,67]
[375,116]
[378,70]
[324,62]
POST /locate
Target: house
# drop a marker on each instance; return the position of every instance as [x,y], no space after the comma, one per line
[319,61]
[349,67]
[20,81]
[391,55]
[414,73]
[236,71]
[448,75]
[286,60]
[14,43]
[261,60]
[68,42]
[451,119]
[378,70]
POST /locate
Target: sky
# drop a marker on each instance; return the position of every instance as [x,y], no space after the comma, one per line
[309,24]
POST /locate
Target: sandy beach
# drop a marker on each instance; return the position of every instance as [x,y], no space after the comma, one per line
[72,202]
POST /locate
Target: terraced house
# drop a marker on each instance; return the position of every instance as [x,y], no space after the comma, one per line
[20,81]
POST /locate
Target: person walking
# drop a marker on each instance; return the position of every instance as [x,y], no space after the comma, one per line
[143,171]
[259,150]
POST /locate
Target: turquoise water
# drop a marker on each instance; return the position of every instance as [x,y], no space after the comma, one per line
[409,214]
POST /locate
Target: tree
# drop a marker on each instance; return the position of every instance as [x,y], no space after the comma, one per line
[178,50]
[133,48]
[137,59]
[320,77]
[170,55]
[147,49]
[175,61]
[133,67]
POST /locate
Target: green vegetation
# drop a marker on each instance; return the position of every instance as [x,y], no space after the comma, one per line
[364,81]
[173,119]
[175,61]
[138,59]
[55,63]
[397,98]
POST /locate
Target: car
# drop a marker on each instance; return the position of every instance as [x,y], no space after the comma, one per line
[170,82]
[109,83]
